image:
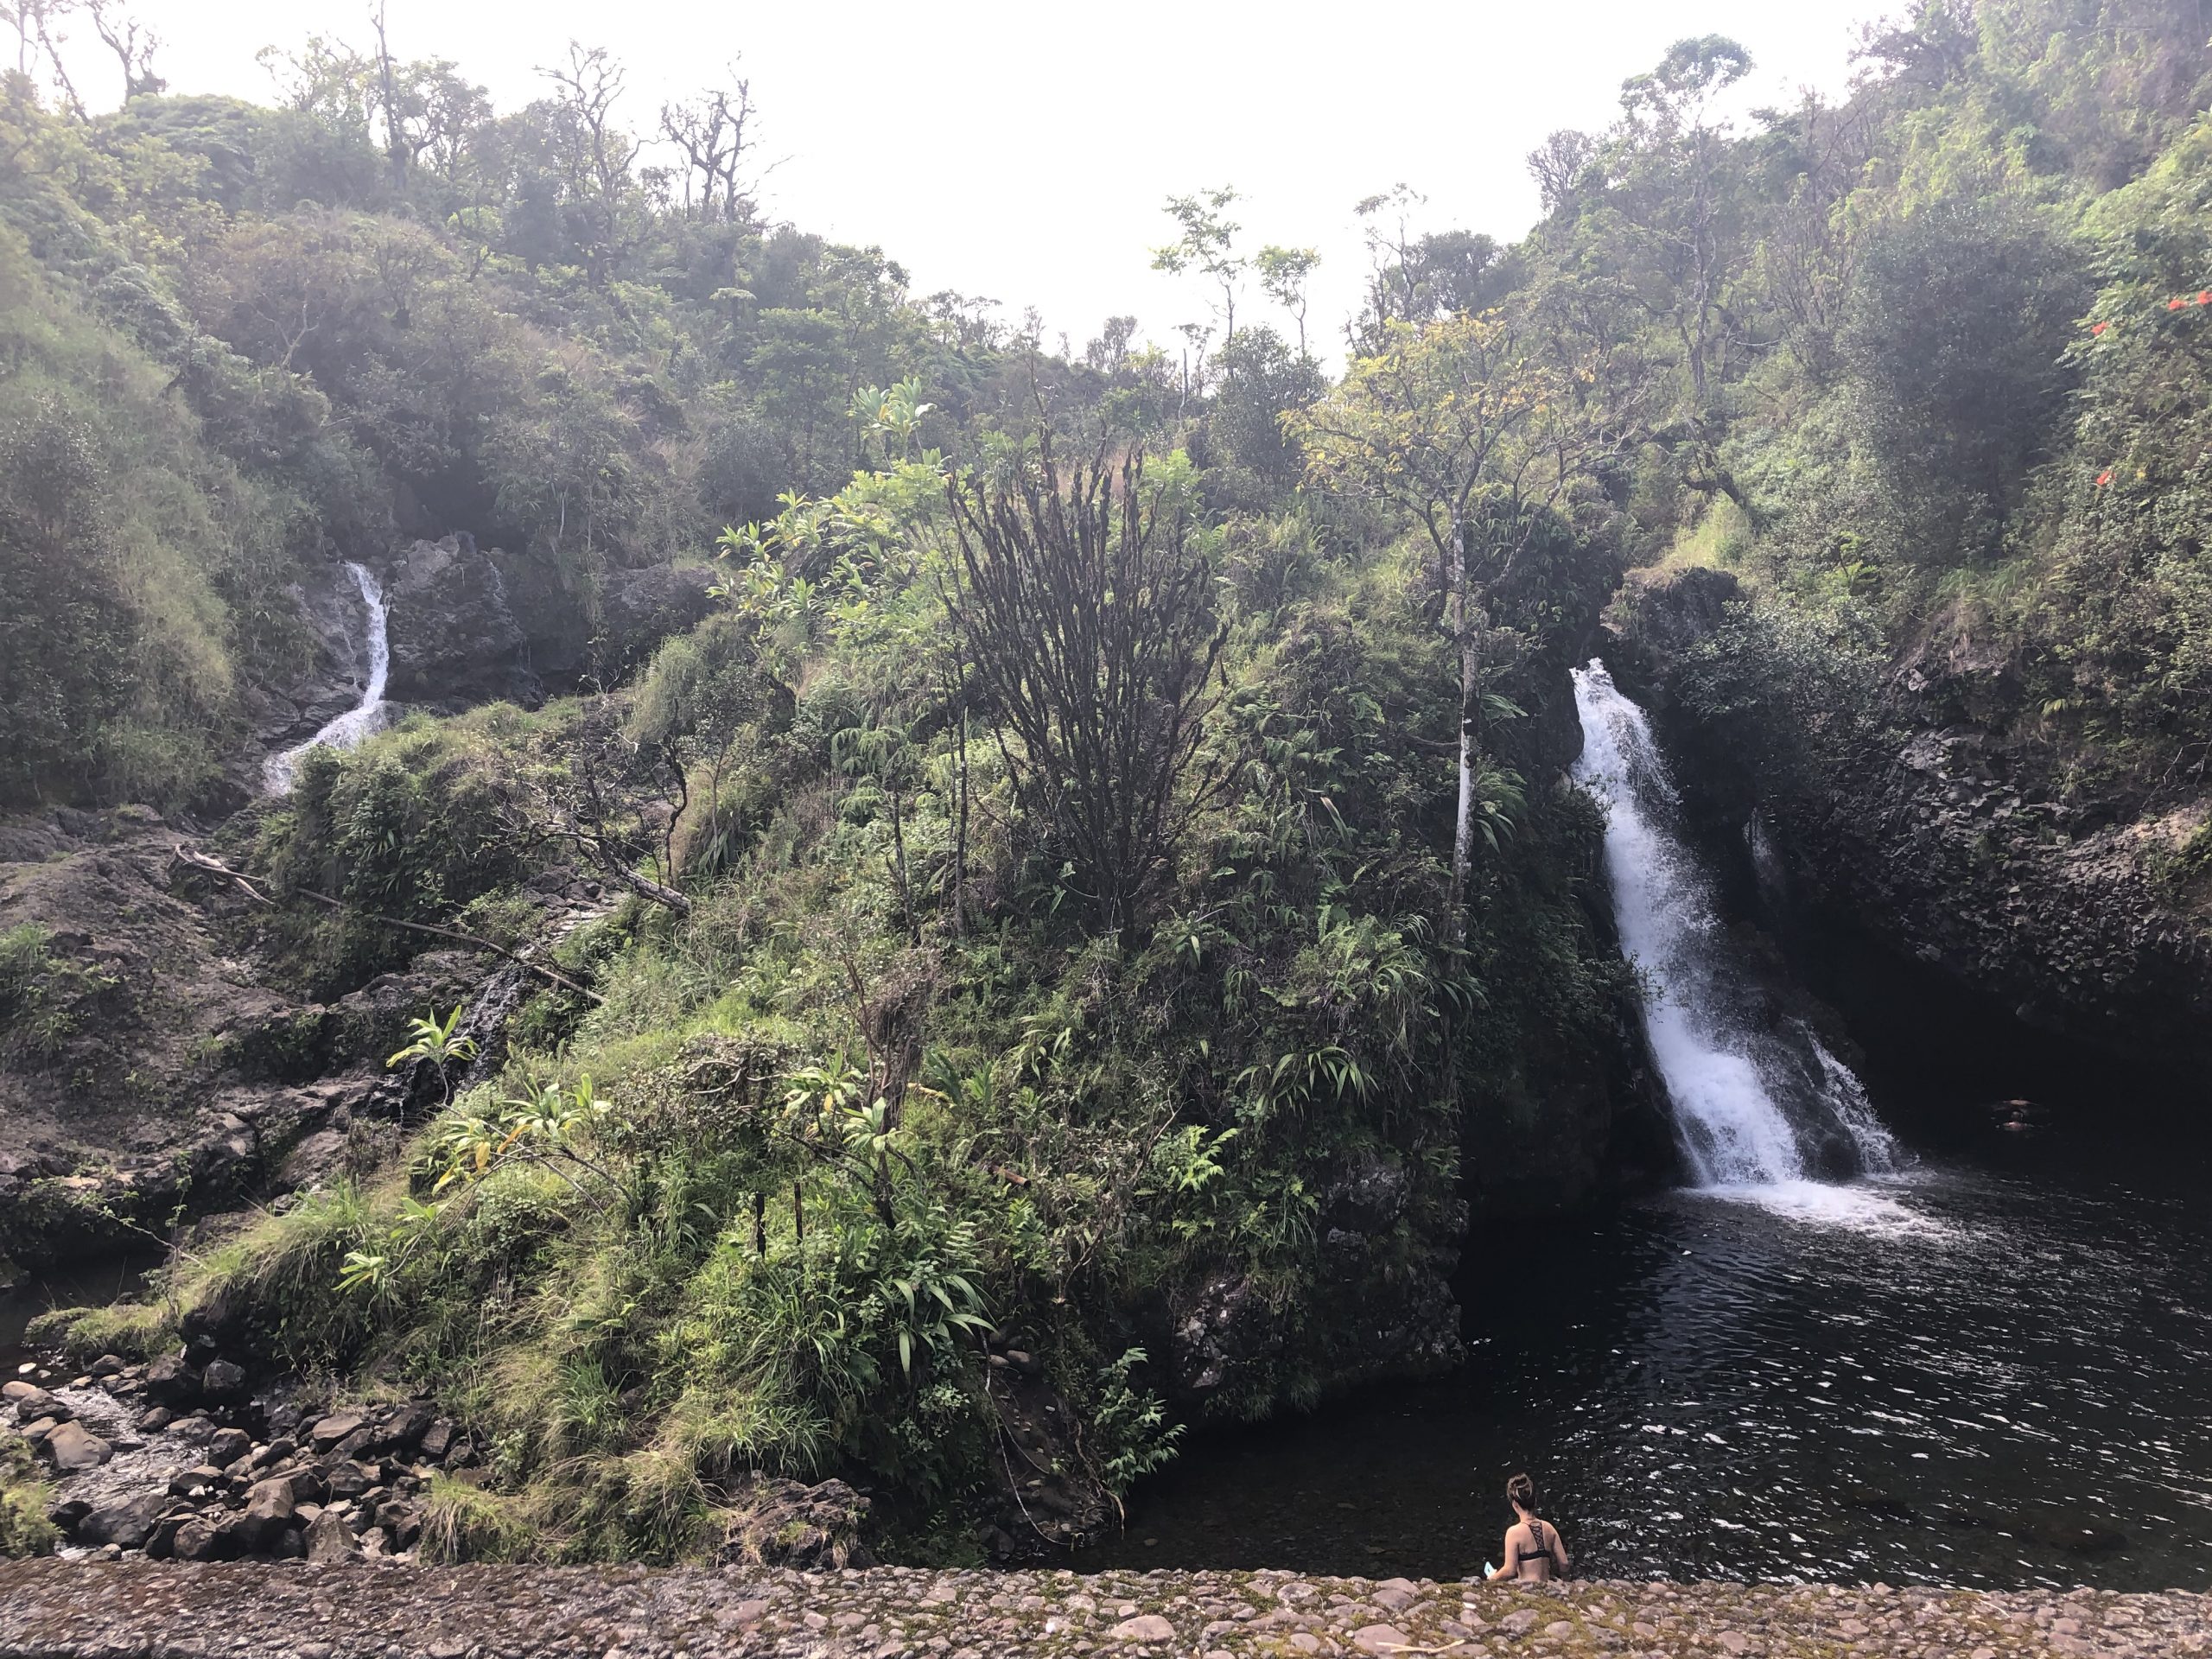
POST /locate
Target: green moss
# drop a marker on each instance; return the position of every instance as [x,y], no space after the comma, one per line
[139,1331]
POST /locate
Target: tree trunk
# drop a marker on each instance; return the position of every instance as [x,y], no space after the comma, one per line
[1464,628]
[899,848]
[959,840]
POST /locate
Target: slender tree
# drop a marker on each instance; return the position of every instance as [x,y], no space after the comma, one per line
[1481,427]
[1087,617]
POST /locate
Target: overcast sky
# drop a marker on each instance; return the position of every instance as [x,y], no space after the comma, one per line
[1022,151]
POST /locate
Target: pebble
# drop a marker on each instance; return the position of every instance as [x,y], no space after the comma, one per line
[73,1610]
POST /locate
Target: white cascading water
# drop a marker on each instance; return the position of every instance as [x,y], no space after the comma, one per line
[366,716]
[1747,1108]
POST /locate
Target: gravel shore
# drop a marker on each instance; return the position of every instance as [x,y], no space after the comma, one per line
[146,1609]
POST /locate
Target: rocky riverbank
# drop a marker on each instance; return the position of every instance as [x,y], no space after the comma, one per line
[53,1609]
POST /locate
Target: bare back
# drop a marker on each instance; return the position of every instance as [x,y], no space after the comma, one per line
[1534,1551]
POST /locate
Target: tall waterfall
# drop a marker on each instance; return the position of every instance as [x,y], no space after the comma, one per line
[1755,1101]
[366,716]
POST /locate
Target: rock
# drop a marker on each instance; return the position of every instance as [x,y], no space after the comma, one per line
[227,1446]
[346,1480]
[1145,1627]
[69,1513]
[403,1430]
[74,1450]
[326,1433]
[1381,1638]
[125,1523]
[437,1440]
[201,1540]
[171,1380]
[32,1402]
[216,1325]
[222,1381]
[313,1159]
[402,1520]
[106,1365]
[191,1483]
[153,1419]
[454,636]
[329,1539]
[269,1505]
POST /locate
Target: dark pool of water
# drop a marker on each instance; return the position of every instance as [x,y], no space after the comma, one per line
[1997,1371]
[78,1284]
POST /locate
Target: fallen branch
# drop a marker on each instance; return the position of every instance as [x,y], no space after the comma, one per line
[252,886]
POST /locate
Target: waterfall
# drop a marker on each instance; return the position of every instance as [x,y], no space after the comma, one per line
[366,716]
[1755,1102]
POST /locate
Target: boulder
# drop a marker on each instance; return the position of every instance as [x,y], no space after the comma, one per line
[453,637]
[227,1446]
[202,1539]
[191,1483]
[222,1381]
[269,1506]
[195,1430]
[402,1520]
[437,1440]
[347,1479]
[327,1432]
[216,1326]
[124,1522]
[153,1419]
[106,1365]
[171,1380]
[74,1449]
[329,1539]
[403,1431]
[32,1402]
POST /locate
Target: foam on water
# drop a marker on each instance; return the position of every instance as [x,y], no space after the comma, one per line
[1850,1206]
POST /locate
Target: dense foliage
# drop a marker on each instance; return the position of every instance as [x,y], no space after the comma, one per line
[1098,888]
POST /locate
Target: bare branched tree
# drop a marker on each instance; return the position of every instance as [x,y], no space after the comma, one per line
[134,46]
[1087,618]
[599,153]
[712,132]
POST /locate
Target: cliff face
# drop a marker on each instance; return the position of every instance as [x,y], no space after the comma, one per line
[1918,821]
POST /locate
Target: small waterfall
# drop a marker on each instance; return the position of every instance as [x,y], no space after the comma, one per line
[366,716]
[1752,1105]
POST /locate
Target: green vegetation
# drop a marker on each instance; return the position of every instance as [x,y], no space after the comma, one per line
[1097,886]
[24,1529]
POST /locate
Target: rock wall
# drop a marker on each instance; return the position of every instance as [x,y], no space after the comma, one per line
[55,1610]
[1941,837]
[470,625]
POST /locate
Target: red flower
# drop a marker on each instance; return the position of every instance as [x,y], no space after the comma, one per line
[2204,297]
[2096,328]
[2176,305]
[2104,477]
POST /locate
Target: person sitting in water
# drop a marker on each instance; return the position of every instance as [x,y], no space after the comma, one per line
[1534,1553]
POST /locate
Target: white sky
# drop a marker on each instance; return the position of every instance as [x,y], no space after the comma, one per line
[1022,151]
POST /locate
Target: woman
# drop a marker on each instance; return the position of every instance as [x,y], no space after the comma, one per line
[1534,1553]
